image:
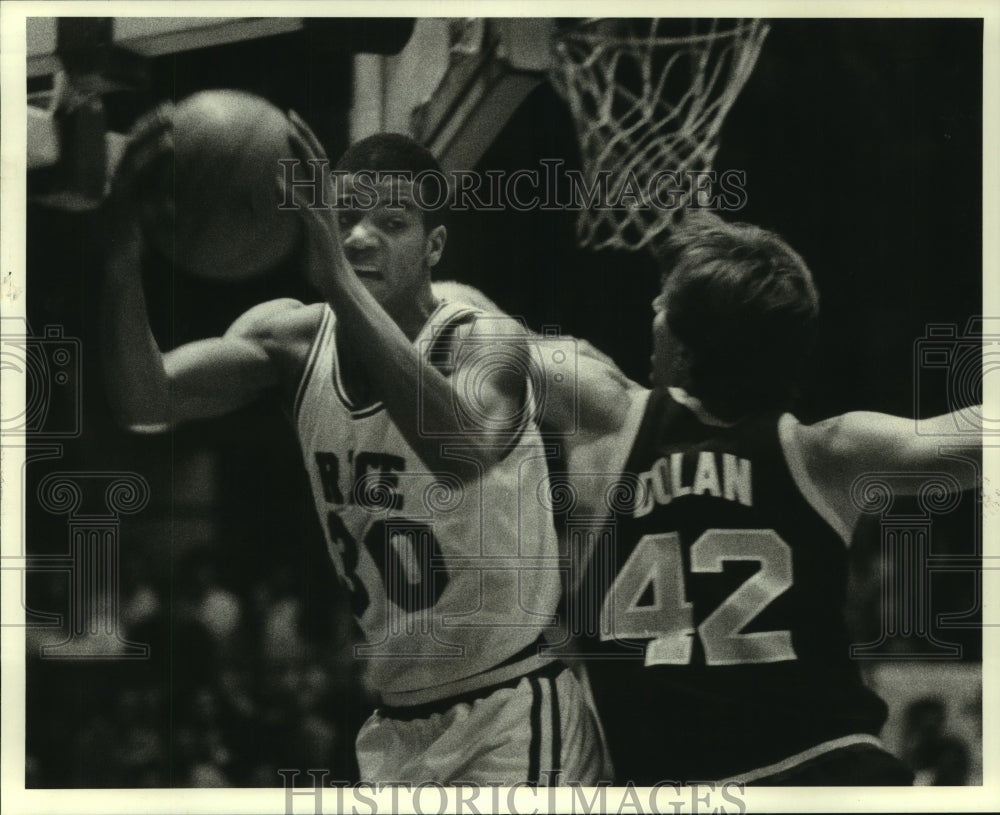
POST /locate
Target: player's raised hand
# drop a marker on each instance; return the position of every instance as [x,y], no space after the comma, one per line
[324,259]
[149,139]
[140,186]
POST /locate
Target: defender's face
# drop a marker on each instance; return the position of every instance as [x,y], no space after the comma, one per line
[385,240]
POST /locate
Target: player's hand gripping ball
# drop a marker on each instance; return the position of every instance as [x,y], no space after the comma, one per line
[213,209]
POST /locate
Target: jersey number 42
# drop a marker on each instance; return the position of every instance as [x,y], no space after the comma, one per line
[667,621]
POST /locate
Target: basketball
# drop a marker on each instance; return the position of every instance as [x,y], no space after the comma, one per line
[215,211]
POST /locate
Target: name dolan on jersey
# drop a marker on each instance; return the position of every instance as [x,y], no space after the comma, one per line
[663,482]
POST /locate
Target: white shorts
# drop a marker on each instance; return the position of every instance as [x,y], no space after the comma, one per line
[537,729]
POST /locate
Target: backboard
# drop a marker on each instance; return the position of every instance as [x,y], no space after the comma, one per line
[454,85]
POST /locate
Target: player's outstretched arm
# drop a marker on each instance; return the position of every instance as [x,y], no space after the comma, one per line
[148,390]
[594,402]
[593,415]
[842,449]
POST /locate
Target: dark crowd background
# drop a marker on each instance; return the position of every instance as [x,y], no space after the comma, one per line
[861,142]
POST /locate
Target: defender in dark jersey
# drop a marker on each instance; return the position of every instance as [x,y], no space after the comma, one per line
[722,612]
[716,586]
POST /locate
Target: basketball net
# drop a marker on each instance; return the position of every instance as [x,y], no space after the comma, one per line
[649,96]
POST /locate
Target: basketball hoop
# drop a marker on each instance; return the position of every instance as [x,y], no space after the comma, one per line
[648,96]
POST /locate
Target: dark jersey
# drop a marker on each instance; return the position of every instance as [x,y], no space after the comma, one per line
[721,645]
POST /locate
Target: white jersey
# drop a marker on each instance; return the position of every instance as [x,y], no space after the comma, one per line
[452,581]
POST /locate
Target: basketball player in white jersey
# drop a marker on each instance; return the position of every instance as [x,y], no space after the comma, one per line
[425,463]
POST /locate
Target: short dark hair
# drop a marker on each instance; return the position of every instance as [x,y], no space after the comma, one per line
[395,153]
[743,304]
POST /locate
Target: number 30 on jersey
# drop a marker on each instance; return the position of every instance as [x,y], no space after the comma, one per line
[656,563]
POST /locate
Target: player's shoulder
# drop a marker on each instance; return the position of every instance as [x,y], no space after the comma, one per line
[475,323]
[473,330]
[283,319]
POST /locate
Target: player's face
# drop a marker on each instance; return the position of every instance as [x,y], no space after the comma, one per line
[385,240]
